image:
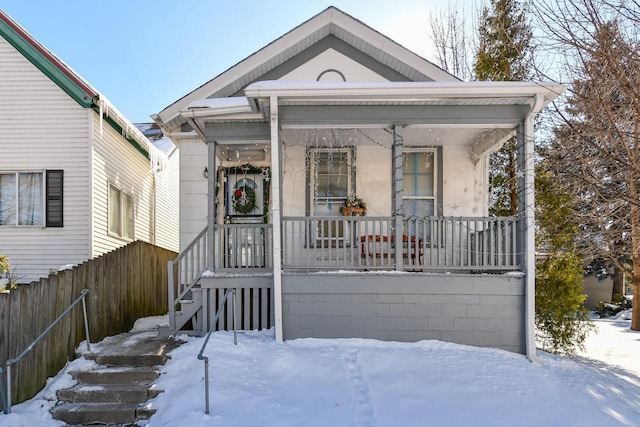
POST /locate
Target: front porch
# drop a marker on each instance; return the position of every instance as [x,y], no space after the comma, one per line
[350,264]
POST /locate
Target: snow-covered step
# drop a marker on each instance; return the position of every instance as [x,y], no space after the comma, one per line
[107,393]
[116,391]
[122,375]
[100,413]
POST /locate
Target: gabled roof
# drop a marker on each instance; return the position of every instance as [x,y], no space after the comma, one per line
[403,64]
[71,82]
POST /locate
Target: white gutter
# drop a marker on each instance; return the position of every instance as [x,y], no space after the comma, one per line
[529,215]
[157,158]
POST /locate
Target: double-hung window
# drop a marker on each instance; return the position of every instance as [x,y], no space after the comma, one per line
[120,213]
[330,185]
[31,198]
[418,183]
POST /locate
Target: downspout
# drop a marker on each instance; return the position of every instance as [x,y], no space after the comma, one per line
[529,216]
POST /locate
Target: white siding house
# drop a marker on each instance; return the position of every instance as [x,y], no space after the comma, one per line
[63,145]
[293,133]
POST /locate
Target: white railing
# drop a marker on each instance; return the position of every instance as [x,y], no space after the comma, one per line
[334,242]
[243,247]
[468,243]
[184,272]
[428,243]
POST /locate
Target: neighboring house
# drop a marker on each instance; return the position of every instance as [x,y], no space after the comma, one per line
[332,111]
[77,179]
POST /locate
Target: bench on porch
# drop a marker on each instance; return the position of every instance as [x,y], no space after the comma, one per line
[382,246]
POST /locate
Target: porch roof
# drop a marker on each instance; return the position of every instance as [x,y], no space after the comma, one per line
[464,93]
[410,103]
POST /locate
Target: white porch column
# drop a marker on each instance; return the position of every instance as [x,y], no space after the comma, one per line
[526,208]
[276,217]
[398,146]
[211,205]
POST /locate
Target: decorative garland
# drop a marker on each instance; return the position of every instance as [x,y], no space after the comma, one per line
[265,171]
[244,199]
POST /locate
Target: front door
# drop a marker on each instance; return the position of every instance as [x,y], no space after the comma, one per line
[245,233]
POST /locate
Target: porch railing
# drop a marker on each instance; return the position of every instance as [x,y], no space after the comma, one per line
[428,243]
[246,247]
[184,271]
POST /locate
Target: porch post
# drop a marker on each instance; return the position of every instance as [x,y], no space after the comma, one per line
[275,206]
[397,194]
[526,210]
[211,204]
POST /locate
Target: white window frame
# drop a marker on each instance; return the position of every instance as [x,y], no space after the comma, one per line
[312,188]
[17,198]
[434,196]
[119,233]
[325,232]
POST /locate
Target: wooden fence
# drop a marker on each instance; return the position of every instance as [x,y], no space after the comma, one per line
[124,285]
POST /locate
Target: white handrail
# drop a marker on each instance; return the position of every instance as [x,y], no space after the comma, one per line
[206,340]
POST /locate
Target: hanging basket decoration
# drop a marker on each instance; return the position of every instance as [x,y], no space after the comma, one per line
[244,199]
[353,206]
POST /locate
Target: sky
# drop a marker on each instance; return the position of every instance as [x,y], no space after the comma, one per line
[143,55]
[361,382]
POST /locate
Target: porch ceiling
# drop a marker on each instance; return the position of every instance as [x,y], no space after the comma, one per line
[413,136]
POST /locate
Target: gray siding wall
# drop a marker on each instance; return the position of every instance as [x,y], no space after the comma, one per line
[482,310]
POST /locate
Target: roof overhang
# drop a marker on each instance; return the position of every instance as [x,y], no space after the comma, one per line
[502,103]
[461,93]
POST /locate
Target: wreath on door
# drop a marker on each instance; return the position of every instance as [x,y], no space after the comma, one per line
[244,199]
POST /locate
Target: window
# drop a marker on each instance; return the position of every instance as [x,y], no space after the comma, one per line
[418,183]
[330,180]
[330,185]
[120,213]
[31,198]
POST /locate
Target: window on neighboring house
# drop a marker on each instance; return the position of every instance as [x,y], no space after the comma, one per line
[330,184]
[120,213]
[31,198]
[418,183]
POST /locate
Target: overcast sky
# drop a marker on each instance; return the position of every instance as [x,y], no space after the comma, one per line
[143,55]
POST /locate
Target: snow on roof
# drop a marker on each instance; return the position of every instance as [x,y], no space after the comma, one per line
[458,88]
[165,145]
[220,103]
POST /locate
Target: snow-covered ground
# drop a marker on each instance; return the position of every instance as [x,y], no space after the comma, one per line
[356,382]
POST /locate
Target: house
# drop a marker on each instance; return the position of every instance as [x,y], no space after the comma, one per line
[339,182]
[77,179]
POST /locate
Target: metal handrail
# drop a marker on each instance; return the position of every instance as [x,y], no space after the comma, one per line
[6,403]
[206,340]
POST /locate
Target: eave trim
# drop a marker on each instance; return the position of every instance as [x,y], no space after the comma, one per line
[46,62]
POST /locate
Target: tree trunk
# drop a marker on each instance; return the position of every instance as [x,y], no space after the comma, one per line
[618,282]
[635,316]
[635,255]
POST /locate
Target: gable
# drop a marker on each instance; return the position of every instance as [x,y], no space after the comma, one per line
[308,44]
[78,89]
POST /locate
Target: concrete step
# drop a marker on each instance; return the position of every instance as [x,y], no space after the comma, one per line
[100,413]
[134,360]
[123,375]
[118,393]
